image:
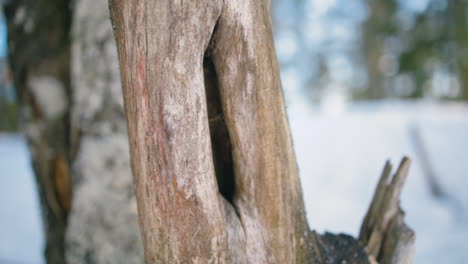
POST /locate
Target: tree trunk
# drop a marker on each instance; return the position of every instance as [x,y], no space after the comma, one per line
[72,112]
[178,60]
[375,30]
[39,53]
[215,174]
[214,170]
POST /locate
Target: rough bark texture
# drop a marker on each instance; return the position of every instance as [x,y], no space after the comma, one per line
[72,111]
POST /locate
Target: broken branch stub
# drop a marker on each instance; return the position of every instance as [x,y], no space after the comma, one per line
[387,238]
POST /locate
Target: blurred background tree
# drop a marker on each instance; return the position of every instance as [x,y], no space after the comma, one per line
[65,70]
[8,108]
[415,53]
[373,49]
[39,55]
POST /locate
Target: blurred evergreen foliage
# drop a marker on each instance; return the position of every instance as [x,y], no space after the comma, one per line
[415,54]
[8,116]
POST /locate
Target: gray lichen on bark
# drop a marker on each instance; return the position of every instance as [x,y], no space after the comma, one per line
[103,222]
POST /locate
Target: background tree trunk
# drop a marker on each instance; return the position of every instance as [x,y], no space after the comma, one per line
[39,52]
[103,221]
[378,26]
[72,114]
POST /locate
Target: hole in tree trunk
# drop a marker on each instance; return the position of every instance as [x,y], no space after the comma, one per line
[220,140]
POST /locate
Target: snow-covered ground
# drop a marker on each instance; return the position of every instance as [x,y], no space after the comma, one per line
[21,237]
[340,158]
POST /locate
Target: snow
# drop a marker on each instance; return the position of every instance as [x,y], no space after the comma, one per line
[340,157]
[21,239]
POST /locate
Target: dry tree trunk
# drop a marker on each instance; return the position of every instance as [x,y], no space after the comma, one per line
[172,54]
[214,169]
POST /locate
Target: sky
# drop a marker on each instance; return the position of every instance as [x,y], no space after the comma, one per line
[3,36]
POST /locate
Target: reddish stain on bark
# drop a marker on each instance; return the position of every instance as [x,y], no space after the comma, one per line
[141,75]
